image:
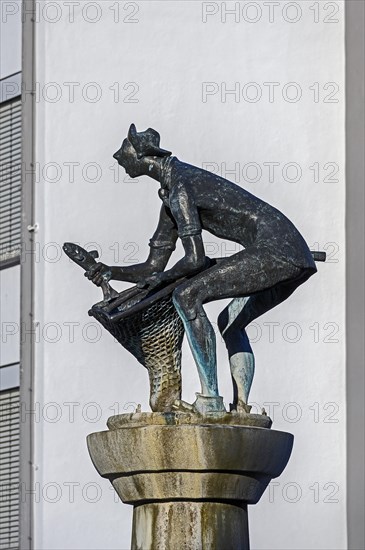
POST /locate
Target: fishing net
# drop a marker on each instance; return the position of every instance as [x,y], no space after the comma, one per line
[148,326]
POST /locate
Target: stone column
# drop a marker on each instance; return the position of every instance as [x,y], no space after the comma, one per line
[189,477]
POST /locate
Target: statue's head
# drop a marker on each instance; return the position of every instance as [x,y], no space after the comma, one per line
[138,149]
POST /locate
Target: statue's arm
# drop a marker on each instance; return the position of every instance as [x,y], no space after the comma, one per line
[193,261]
[162,245]
[187,219]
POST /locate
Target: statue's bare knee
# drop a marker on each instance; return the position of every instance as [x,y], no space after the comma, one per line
[234,317]
[187,303]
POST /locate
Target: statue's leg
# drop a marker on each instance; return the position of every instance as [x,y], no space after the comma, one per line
[249,272]
[241,357]
[201,336]
[232,323]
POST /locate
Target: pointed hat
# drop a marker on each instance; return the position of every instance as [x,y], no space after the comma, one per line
[147,143]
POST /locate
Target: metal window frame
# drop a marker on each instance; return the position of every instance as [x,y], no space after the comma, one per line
[27,272]
[355,173]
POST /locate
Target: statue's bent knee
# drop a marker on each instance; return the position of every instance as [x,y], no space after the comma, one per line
[186,303]
[222,320]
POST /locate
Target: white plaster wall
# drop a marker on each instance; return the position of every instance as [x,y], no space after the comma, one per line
[168,52]
[10,37]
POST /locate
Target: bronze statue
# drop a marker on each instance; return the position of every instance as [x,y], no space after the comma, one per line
[274,262]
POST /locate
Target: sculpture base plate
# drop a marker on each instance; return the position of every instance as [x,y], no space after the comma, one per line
[137,420]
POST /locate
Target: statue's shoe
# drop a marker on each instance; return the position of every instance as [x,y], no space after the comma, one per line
[182,406]
[202,405]
[240,407]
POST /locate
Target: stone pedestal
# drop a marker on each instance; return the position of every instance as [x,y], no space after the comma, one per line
[190,478]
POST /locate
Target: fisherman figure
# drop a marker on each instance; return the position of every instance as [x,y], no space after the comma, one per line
[274,262]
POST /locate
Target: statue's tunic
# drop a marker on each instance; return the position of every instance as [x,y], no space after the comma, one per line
[194,199]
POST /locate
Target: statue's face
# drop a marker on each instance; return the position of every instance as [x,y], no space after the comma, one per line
[127,157]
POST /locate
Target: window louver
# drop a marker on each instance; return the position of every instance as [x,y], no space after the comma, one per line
[9,469]
[10,179]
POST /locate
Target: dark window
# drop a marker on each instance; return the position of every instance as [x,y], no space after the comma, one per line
[10,181]
[9,469]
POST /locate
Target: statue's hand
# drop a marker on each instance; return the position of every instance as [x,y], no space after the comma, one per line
[99,273]
[155,280]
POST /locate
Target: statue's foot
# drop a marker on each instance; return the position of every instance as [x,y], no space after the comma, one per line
[202,405]
[205,405]
[240,407]
[182,406]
